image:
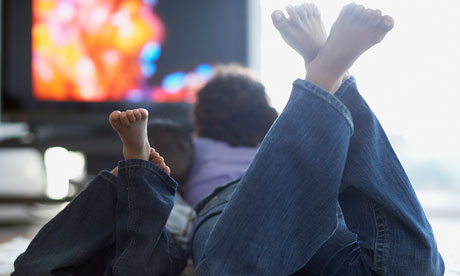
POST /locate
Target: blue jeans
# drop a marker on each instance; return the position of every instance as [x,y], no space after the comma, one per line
[323,153]
[116,226]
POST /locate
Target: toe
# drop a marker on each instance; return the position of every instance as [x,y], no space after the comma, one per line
[162,165]
[154,157]
[144,113]
[357,11]
[301,13]
[387,23]
[348,9]
[314,10]
[124,119]
[151,154]
[137,114]
[375,17]
[293,17]
[114,117]
[306,9]
[279,20]
[131,116]
[366,15]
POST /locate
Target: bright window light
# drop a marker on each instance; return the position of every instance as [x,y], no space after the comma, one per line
[56,172]
[410,80]
[61,166]
[77,165]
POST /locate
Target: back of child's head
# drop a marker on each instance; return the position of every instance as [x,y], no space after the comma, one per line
[233,107]
[175,144]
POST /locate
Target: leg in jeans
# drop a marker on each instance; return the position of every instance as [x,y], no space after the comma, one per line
[284,208]
[379,205]
[117,224]
[85,228]
[145,198]
[113,226]
[372,171]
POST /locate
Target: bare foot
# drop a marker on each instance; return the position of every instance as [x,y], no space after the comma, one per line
[304,30]
[131,126]
[158,160]
[355,31]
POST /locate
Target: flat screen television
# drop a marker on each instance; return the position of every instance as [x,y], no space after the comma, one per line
[75,60]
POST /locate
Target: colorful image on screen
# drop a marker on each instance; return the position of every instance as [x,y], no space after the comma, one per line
[104,50]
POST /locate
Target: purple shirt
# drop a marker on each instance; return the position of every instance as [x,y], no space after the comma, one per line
[215,164]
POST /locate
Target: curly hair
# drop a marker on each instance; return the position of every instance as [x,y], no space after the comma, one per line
[233,107]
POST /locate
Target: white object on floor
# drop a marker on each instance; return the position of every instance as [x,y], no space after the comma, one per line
[13,130]
[9,251]
[23,172]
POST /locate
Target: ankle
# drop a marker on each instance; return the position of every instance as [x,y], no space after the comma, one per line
[136,152]
[321,79]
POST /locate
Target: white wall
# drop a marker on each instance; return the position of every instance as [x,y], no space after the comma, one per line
[410,79]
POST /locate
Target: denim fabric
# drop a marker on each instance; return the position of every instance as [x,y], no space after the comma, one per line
[114,227]
[323,152]
[208,211]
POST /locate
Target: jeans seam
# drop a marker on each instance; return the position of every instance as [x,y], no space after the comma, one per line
[123,254]
[381,236]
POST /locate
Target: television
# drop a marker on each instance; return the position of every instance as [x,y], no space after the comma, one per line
[73,61]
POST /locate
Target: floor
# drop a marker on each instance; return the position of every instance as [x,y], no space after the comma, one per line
[446,230]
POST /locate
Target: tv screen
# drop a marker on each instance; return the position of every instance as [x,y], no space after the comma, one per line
[88,55]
